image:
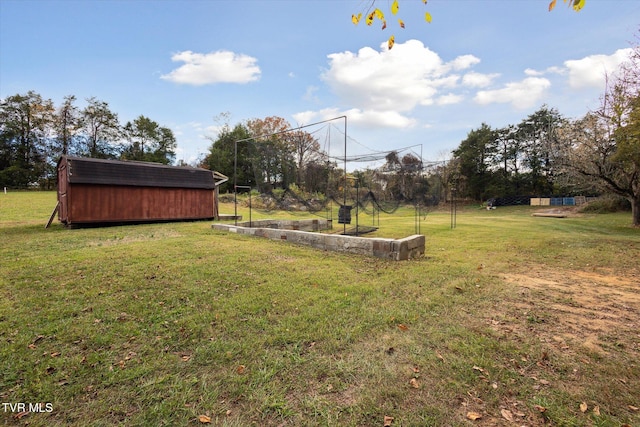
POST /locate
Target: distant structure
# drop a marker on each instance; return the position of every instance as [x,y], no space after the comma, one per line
[98,191]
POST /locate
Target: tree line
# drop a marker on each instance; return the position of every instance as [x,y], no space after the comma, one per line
[548,154]
[34,133]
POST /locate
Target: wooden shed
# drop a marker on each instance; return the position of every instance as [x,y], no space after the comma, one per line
[96,191]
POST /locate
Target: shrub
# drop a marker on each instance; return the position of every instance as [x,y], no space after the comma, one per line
[607,205]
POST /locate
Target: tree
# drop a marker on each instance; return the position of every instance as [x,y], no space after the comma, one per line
[273,161]
[537,134]
[372,12]
[305,148]
[473,156]
[25,125]
[147,141]
[604,146]
[101,130]
[222,156]
[67,125]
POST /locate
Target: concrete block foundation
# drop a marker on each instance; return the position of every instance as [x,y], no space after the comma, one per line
[304,232]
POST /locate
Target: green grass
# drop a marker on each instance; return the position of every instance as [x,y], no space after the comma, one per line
[159,324]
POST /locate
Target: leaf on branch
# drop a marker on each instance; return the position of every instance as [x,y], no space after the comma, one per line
[370,18]
[552,5]
[356,18]
[578,4]
[379,14]
[394,7]
[428,17]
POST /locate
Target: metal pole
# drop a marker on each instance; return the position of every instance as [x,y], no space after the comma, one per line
[235,181]
[344,204]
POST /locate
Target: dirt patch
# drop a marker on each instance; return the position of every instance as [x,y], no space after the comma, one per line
[589,309]
[559,212]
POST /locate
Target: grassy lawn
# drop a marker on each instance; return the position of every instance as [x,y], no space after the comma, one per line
[508,320]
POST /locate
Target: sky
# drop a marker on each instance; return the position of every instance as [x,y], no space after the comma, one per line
[194,65]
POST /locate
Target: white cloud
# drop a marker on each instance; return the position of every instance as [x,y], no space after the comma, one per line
[399,79]
[474,79]
[356,116]
[448,99]
[592,71]
[216,67]
[523,94]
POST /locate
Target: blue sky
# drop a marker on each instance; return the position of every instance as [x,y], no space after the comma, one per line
[183,63]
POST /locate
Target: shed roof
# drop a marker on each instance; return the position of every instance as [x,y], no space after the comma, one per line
[84,170]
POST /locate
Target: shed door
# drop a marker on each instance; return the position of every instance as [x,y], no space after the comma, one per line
[63,202]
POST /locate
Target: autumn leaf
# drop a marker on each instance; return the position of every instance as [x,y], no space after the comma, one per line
[428,17]
[21,415]
[355,19]
[596,410]
[474,416]
[578,4]
[401,326]
[204,419]
[414,383]
[370,18]
[506,414]
[584,407]
[394,7]
[240,369]
[379,14]
[387,421]
[384,24]
[552,5]
[540,409]
[401,22]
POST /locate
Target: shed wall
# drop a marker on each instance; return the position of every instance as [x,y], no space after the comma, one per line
[88,203]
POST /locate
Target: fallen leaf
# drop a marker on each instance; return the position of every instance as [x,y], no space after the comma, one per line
[583,407]
[240,369]
[204,419]
[540,408]
[634,408]
[474,416]
[596,410]
[439,356]
[20,415]
[387,421]
[403,327]
[32,346]
[414,383]
[228,412]
[55,354]
[506,414]
[479,369]
[416,370]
